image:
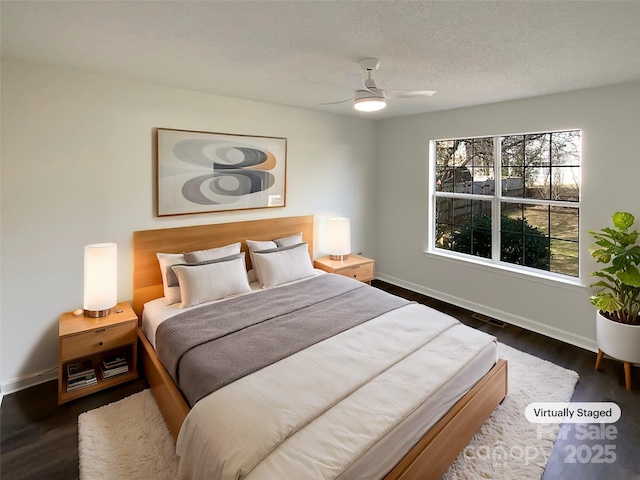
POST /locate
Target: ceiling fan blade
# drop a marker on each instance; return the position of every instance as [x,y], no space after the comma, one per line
[409,93]
[341,101]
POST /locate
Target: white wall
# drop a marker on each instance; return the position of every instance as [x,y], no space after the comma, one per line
[77,168]
[610,121]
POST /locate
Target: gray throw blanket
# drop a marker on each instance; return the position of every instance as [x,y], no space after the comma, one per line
[209,347]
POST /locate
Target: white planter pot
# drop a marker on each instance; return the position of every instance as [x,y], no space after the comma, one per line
[618,340]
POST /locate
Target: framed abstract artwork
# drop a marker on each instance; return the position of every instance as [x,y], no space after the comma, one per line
[202,172]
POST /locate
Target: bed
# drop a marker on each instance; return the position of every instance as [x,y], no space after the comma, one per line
[390,440]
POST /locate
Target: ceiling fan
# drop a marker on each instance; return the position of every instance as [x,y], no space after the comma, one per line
[368,97]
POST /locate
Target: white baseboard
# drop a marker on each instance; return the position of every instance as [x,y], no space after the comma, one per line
[526,323]
[18,384]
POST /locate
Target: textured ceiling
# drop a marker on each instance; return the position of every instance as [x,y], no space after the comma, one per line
[299,53]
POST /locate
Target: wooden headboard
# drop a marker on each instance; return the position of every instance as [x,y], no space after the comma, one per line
[147,279]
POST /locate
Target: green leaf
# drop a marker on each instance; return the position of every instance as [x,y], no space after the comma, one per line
[605,243]
[609,232]
[619,262]
[603,274]
[623,220]
[606,302]
[630,276]
[602,284]
[601,255]
[611,269]
[634,254]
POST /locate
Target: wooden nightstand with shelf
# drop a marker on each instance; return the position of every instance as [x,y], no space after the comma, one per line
[354,266]
[83,338]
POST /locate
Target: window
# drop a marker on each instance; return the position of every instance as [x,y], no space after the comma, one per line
[510,199]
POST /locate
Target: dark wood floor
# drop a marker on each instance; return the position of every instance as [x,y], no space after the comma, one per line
[606,385]
[39,440]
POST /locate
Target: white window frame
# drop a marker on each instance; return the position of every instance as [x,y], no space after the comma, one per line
[496,200]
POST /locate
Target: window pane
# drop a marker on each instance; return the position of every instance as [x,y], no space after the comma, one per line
[511,247]
[462,212]
[536,150]
[540,236]
[512,151]
[565,184]
[462,180]
[443,235]
[524,238]
[565,148]
[537,250]
[465,166]
[513,172]
[445,150]
[527,182]
[444,210]
[537,216]
[480,150]
[564,223]
[564,257]
[513,182]
[548,164]
[443,184]
[444,221]
[464,226]
[534,215]
[511,211]
[537,182]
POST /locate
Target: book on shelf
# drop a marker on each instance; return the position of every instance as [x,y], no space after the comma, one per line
[81,369]
[78,387]
[114,361]
[114,366]
[114,371]
[77,383]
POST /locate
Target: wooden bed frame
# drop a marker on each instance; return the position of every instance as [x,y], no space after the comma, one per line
[428,459]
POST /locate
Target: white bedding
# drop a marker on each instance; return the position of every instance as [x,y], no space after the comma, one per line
[283,422]
[348,407]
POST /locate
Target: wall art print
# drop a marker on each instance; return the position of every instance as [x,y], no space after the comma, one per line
[202,172]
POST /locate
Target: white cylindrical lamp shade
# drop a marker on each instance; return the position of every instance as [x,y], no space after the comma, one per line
[339,230]
[100,279]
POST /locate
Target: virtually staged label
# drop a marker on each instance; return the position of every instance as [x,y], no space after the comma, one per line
[573,412]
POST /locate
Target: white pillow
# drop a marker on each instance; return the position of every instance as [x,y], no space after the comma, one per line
[289,241]
[201,283]
[166,260]
[252,276]
[212,253]
[255,245]
[283,265]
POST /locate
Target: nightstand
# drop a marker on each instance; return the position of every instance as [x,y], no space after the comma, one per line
[354,266]
[82,339]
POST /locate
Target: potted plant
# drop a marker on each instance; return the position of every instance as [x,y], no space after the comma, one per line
[618,300]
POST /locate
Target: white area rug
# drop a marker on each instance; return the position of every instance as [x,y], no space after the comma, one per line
[126,440]
[508,446]
[129,439]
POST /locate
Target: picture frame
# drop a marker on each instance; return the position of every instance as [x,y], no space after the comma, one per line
[205,172]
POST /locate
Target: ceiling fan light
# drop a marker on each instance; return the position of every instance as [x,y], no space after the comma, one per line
[370,104]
